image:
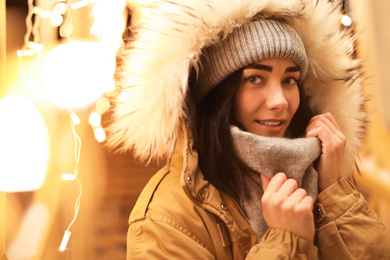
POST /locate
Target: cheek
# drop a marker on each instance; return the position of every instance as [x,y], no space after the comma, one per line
[245,103]
[294,101]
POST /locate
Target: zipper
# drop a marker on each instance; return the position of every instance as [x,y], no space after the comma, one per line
[239,208]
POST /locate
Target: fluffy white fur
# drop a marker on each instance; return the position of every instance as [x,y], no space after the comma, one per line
[167,40]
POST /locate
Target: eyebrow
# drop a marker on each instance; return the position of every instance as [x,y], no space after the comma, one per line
[292,69]
[269,68]
[259,67]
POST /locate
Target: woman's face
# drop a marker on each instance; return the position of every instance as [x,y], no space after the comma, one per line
[267,97]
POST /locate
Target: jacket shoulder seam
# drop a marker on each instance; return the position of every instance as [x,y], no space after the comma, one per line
[142,205]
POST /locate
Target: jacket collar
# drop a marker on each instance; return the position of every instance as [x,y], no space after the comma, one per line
[207,196]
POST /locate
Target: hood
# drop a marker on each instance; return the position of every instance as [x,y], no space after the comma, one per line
[165,42]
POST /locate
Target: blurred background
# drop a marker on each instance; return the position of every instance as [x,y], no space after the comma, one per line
[63,195]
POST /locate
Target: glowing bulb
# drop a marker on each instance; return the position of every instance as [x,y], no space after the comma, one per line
[346,20]
[102,105]
[65,240]
[109,22]
[60,8]
[94,119]
[21,53]
[77,73]
[37,10]
[75,118]
[100,135]
[45,14]
[56,19]
[79,4]
[68,177]
[22,126]
[35,46]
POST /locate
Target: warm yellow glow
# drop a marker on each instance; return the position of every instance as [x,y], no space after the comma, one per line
[60,8]
[102,105]
[32,232]
[100,135]
[94,119]
[79,4]
[346,20]
[109,22]
[24,149]
[77,73]
[65,240]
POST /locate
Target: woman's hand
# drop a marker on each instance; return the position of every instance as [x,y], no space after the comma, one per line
[285,206]
[325,127]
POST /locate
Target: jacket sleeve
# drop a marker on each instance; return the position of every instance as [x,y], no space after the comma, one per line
[162,239]
[282,244]
[346,227]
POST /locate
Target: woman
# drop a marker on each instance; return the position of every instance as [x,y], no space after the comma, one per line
[195,77]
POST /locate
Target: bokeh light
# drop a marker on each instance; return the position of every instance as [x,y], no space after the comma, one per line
[24,145]
[77,73]
[100,135]
[94,119]
[346,20]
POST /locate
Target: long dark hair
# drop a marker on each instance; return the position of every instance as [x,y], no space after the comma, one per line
[211,121]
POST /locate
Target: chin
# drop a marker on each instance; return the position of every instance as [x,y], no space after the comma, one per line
[269,134]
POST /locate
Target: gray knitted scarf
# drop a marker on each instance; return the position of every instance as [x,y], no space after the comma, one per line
[268,156]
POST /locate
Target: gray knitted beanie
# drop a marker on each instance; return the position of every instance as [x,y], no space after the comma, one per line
[250,43]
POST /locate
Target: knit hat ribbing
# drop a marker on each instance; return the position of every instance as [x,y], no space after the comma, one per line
[250,43]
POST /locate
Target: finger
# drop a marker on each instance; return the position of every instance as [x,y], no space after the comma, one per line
[307,202]
[288,188]
[322,131]
[265,181]
[276,182]
[297,196]
[329,139]
[332,120]
[327,119]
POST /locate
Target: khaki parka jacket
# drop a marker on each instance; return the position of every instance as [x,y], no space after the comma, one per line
[179,215]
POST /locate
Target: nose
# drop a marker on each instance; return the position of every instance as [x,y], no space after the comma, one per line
[276,99]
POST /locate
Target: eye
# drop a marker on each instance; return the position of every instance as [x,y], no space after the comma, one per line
[254,79]
[290,81]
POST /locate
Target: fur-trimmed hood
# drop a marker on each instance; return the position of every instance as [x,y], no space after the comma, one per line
[166,41]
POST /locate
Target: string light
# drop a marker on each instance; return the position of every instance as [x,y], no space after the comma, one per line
[79,4]
[100,134]
[65,240]
[60,8]
[94,119]
[75,118]
[56,19]
[68,177]
[73,177]
[32,47]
